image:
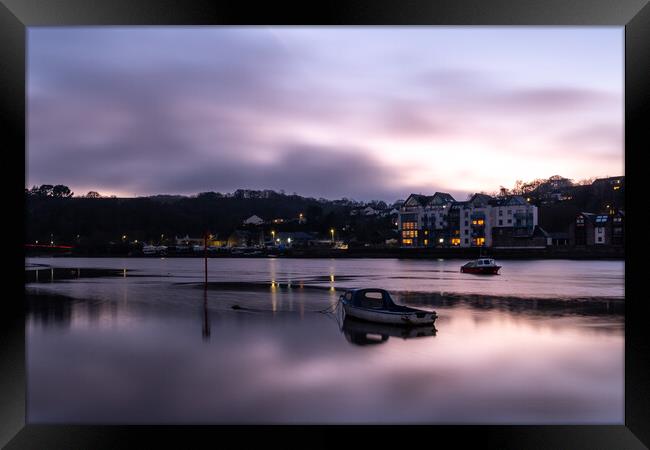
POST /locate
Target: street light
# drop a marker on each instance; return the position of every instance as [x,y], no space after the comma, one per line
[332,231]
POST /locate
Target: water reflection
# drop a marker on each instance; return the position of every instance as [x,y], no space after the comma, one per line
[206,317]
[366,333]
[135,349]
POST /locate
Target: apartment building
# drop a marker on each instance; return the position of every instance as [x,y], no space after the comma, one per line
[441,221]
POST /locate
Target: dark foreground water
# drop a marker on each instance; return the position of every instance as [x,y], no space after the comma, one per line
[541,343]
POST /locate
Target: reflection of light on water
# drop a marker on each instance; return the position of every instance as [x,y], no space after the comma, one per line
[36,274]
[331,278]
[124,273]
[52,274]
[274,296]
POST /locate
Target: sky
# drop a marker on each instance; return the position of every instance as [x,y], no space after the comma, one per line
[357,112]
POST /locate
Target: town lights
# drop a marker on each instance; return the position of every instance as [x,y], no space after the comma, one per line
[332,231]
[289,240]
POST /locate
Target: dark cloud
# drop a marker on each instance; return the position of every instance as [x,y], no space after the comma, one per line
[131,110]
[306,169]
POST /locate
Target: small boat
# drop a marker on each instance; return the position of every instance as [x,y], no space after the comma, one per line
[485,266]
[376,305]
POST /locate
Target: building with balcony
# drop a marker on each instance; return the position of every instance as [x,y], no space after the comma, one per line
[440,221]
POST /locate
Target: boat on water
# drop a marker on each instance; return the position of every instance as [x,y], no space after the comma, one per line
[482,266]
[154,250]
[376,305]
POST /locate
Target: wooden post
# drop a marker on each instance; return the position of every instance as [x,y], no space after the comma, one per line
[205,257]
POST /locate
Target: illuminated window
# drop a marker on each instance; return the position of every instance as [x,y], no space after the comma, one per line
[426,231]
[480,222]
[407,241]
[426,242]
[409,225]
[409,234]
[479,241]
[455,241]
[474,222]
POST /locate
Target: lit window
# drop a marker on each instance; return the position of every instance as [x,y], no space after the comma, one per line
[455,241]
[426,242]
[407,241]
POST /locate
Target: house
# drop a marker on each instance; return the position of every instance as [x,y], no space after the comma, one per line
[254,220]
[559,239]
[245,238]
[590,229]
[294,239]
[369,211]
[511,237]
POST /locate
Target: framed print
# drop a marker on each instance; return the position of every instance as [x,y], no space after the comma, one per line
[356,218]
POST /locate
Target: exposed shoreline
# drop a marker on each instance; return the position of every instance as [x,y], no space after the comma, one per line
[617,253]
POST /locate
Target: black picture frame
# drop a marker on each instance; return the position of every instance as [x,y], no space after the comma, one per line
[16,15]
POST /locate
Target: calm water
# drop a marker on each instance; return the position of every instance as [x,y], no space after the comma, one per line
[541,343]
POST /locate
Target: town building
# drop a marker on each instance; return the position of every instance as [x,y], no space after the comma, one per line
[441,221]
[589,229]
[254,220]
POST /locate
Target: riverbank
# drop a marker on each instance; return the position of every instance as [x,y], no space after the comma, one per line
[577,253]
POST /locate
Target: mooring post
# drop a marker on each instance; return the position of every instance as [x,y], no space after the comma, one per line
[205,257]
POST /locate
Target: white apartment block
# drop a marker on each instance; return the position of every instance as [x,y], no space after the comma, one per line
[440,221]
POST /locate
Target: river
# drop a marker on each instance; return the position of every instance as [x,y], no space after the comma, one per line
[541,343]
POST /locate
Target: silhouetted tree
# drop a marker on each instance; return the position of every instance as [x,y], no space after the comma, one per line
[61,191]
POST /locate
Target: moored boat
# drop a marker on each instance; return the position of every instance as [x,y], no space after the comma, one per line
[376,305]
[484,266]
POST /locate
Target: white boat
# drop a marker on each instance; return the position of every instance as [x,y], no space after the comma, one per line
[483,266]
[376,305]
[154,249]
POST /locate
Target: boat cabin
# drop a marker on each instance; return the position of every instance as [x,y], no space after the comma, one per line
[369,298]
[485,262]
